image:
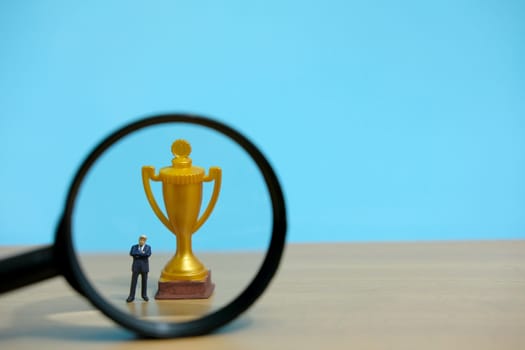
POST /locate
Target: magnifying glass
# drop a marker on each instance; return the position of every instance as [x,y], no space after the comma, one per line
[185,202]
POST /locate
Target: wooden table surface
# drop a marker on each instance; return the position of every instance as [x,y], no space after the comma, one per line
[418,295]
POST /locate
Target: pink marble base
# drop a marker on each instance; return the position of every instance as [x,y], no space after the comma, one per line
[186,289]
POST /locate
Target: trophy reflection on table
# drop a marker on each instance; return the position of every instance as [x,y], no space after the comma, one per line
[184,276]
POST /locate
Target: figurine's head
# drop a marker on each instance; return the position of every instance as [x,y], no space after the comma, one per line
[142,240]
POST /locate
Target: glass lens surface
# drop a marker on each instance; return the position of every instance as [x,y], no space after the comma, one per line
[221,257]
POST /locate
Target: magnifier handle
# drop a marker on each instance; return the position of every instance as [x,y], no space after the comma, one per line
[215,173]
[28,268]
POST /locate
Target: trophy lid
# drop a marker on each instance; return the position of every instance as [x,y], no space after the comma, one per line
[181,170]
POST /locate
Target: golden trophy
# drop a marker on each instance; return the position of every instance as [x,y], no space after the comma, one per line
[184,276]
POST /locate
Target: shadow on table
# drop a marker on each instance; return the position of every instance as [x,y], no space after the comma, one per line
[71,318]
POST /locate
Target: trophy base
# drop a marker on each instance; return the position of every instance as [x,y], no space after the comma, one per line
[186,289]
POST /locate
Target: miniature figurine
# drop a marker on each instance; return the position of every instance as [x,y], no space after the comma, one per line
[140,253]
[184,276]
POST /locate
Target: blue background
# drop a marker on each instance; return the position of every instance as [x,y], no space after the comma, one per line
[384,120]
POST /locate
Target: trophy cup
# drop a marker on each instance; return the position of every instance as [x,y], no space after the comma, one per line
[184,276]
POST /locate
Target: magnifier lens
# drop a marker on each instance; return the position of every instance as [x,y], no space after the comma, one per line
[111,211]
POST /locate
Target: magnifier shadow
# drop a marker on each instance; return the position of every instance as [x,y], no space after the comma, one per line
[71,318]
[59,318]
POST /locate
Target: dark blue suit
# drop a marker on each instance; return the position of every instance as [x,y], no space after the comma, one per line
[140,266]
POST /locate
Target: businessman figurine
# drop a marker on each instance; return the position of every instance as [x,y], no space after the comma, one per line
[140,253]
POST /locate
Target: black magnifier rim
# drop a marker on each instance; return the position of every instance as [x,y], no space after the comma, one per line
[225,314]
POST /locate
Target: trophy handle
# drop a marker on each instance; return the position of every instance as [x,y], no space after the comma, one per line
[215,173]
[148,173]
